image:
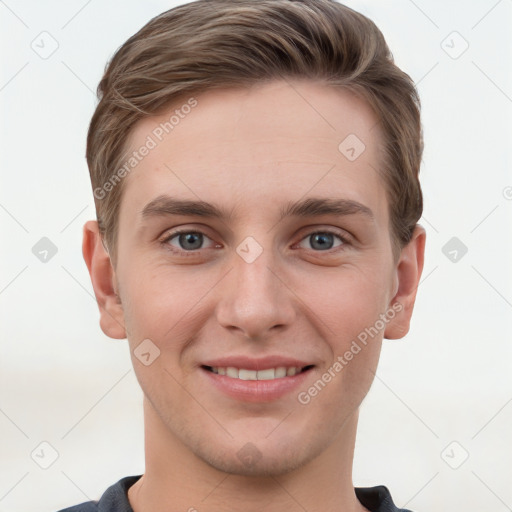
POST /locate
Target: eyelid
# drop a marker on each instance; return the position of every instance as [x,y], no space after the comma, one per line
[343,236]
[164,242]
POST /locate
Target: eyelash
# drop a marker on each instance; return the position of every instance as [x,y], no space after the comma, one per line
[165,241]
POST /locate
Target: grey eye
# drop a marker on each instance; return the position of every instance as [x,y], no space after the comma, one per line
[190,241]
[322,240]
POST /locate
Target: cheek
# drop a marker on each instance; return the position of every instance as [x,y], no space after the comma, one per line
[349,307]
[165,306]
[347,302]
[354,341]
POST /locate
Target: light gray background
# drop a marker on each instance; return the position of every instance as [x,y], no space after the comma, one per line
[442,393]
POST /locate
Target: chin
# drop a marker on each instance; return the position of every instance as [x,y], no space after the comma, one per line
[257,459]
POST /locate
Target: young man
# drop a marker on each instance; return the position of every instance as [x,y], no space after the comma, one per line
[280,141]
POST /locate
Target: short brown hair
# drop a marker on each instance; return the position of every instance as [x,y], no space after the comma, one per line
[210,44]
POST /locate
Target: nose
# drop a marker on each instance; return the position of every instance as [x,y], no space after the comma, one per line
[255,298]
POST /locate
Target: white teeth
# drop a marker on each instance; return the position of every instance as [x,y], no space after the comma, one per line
[280,372]
[232,372]
[268,374]
[247,374]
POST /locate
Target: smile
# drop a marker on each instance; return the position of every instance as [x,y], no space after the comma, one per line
[267,374]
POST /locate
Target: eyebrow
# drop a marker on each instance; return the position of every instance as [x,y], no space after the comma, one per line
[310,207]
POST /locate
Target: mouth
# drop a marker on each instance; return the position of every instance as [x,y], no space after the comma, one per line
[278,372]
[266,384]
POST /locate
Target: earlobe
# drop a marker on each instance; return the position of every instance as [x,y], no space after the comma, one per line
[103,281]
[408,273]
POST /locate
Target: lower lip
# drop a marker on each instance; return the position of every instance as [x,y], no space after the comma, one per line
[256,390]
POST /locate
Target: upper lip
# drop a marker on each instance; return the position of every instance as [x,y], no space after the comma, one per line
[251,363]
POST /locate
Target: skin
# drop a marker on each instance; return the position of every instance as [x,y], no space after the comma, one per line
[252,151]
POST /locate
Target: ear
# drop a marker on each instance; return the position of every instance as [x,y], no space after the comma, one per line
[408,272]
[102,275]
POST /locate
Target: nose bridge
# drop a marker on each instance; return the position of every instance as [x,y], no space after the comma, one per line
[254,299]
[255,279]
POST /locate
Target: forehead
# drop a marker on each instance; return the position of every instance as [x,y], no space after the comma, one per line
[267,144]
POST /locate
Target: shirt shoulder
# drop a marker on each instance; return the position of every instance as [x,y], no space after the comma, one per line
[114,499]
[88,506]
[377,499]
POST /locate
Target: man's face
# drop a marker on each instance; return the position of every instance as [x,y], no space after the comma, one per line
[255,290]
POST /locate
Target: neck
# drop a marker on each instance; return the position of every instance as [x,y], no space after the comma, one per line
[176,479]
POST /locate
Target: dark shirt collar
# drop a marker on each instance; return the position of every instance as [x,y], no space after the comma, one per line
[115,499]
